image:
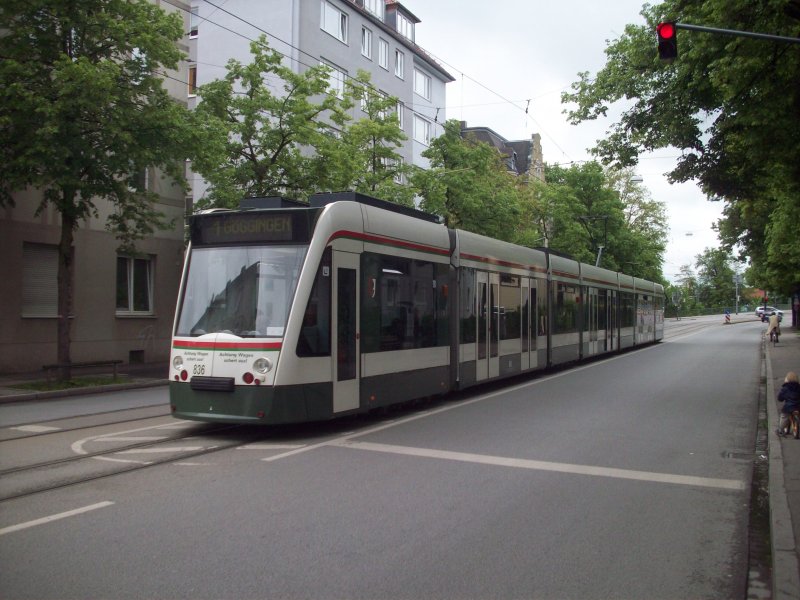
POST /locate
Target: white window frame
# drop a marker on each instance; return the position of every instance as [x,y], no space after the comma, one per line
[398,175]
[422,130]
[422,84]
[405,27]
[400,111]
[194,22]
[130,263]
[383,53]
[366,42]
[192,84]
[334,21]
[376,7]
[336,79]
[399,64]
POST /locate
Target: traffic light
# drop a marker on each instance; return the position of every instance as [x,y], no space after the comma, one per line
[667,41]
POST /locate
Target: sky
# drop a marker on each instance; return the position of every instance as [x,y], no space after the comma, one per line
[504,53]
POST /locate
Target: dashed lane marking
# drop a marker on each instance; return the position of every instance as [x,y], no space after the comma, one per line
[56,517]
[36,428]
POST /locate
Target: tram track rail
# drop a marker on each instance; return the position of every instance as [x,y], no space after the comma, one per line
[63,480]
[17,431]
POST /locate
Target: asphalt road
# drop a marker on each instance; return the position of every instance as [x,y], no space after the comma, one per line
[624,478]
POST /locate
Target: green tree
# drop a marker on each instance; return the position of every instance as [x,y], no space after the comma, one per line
[729,104]
[587,208]
[469,185]
[716,287]
[365,155]
[83,112]
[259,142]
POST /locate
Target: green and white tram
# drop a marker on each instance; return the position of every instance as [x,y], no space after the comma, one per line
[291,312]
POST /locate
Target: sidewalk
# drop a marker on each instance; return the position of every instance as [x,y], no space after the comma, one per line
[784,473]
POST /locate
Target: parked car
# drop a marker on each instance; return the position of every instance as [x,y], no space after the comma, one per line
[764,313]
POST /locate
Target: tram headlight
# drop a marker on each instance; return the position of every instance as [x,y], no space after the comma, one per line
[177,363]
[262,365]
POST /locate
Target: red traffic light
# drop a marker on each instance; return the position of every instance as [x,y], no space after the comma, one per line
[666,30]
[667,41]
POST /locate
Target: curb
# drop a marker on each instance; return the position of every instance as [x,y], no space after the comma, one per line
[785,571]
[99,389]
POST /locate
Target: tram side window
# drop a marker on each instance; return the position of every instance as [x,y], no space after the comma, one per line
[566,309]
[315,333]
[627,310]
[403,304]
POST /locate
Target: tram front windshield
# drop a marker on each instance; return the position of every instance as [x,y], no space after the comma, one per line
[243,290]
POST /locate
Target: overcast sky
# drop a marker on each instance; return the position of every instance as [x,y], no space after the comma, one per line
[534,49]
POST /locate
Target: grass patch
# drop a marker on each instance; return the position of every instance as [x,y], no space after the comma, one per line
[75,382]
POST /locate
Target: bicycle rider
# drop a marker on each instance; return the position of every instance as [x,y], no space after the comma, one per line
[774,325]
[789,394]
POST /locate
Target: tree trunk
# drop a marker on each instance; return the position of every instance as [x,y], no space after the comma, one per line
[65,280]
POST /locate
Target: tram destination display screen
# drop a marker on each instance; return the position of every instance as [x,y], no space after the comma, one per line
[252,227]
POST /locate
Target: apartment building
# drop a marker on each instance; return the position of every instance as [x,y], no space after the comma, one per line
[123,305]
[377,36]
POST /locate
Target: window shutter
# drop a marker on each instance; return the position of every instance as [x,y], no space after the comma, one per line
[39,280]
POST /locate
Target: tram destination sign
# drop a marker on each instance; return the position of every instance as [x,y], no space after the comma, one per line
[251,227]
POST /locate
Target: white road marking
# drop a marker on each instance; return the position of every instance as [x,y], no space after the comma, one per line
[179,425]
[36,428]
[77,447]
[163,450]
[270,447]
[539,465]
[51,518]
[142,438]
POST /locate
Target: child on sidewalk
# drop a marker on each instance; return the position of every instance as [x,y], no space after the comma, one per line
[789,394]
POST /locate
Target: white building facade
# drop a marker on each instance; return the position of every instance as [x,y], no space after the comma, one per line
[347,35]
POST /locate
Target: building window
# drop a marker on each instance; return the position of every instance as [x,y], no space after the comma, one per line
[366,42]
[375,7]
[422,130]
[383,53]
[400,110]
[334,21]
[336,79]
[399,64]
[134,285]
[193,81]
[422,84]
[405,27]
[194,21]
[39,280]
[398,173]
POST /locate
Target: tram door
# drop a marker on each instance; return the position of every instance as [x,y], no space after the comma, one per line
[525,326]
[592,324]
[611,320]
[529,324]
[488,326]
[346,349]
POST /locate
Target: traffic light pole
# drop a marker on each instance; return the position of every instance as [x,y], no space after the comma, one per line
[750,34]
